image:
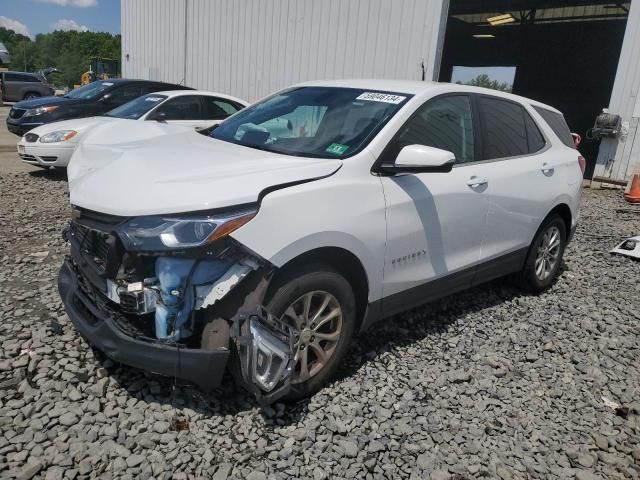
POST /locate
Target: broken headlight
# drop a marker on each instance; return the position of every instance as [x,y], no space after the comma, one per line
[163,233]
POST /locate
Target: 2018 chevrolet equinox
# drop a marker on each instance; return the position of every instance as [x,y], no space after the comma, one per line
[307,217]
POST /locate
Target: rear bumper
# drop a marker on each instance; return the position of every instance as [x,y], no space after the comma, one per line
[205,368]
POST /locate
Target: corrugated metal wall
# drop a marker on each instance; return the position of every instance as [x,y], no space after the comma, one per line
[618,159]
[251,48]
[153,37]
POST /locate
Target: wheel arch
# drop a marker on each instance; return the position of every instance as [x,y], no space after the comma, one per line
[342,261]
[564,211]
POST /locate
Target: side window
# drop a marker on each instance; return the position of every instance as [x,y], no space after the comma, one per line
[187,107]
[218,108]
[534,136]
[504,133]
[11,77]
[122,95]
[558,124]
[445,123]
[30,78]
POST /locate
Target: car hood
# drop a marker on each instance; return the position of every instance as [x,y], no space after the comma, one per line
[48,102]
[77,124]
[179,171]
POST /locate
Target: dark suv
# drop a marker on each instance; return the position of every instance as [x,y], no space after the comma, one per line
[18,86]
[93,99]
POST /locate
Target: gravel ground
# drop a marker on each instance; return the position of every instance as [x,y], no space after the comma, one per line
[489,383]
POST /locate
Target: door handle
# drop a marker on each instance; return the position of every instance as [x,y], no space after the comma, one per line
[475,182]
[546,168]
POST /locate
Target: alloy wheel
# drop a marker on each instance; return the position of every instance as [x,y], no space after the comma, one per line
[317,319]
[548,253]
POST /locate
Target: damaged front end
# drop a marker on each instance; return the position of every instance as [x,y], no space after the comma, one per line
[165,294]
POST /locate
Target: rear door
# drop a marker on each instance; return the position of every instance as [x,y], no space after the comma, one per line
[521,171]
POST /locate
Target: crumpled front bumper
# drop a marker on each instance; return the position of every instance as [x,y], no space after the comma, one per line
[205,368]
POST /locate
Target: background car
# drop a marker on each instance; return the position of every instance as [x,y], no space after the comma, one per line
[93,99]
[5,58]
[18,86]
[53,144]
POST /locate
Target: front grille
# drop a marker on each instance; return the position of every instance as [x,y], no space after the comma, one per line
[31,137]
[94,244]
[49,159]
[139,326]
[16,112]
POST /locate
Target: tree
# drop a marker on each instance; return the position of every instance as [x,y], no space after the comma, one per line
[70,52]
[483,80]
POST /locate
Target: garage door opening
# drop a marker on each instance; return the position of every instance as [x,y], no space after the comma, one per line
[564,53]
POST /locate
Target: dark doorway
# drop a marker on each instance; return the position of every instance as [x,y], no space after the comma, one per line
[565,53]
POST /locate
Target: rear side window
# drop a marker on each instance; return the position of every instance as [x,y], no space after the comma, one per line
[504,129]
[218,108]
[558,124]
[535,139]
[30,78]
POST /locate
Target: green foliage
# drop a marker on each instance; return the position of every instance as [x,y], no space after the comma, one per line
[486,82]
[70,52]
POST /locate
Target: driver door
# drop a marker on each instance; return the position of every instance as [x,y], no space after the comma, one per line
[435,221]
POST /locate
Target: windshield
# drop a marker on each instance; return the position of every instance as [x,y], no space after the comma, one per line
[327,122]
[89,91]
[137,108]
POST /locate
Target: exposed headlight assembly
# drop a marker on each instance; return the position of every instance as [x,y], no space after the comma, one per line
[34,112]
[167,232]
[58,136]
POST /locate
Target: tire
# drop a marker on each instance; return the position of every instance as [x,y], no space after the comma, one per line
[543,262]
[30,95]
[319,283]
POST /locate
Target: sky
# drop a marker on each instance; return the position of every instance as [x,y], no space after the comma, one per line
[31,17]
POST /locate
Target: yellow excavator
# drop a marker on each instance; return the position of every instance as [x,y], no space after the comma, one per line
[101,69]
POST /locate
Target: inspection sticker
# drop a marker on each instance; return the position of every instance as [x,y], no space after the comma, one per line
[337,148]
[381,97]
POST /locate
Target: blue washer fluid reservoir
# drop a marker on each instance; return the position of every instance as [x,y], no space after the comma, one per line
[176,298]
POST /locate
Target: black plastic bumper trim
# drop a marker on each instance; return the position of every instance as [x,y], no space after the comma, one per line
[205,368]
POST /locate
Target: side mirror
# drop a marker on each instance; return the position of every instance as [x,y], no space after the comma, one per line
[158,117]
[420,159]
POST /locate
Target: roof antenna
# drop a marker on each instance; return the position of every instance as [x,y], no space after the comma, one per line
[423,71]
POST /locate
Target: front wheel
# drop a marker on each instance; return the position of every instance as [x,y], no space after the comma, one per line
[31,95]
[545,255]
[319,303]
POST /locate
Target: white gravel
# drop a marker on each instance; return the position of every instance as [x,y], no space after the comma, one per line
[488,383]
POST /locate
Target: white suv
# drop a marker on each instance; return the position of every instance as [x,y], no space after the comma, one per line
[306,218]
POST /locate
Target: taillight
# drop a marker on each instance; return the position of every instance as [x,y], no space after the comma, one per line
[583,163]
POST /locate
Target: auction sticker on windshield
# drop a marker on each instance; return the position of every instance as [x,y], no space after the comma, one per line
[337,148]
[152,99]
[381,97]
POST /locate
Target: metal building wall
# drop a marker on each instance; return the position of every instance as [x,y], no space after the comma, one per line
[618,158]
[251,48]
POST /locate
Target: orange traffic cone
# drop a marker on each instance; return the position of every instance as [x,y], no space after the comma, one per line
[634,192]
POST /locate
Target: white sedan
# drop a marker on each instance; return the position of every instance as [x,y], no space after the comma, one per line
[53,144]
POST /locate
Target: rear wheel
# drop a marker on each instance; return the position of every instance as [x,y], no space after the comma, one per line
[545,255]
[320,305]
